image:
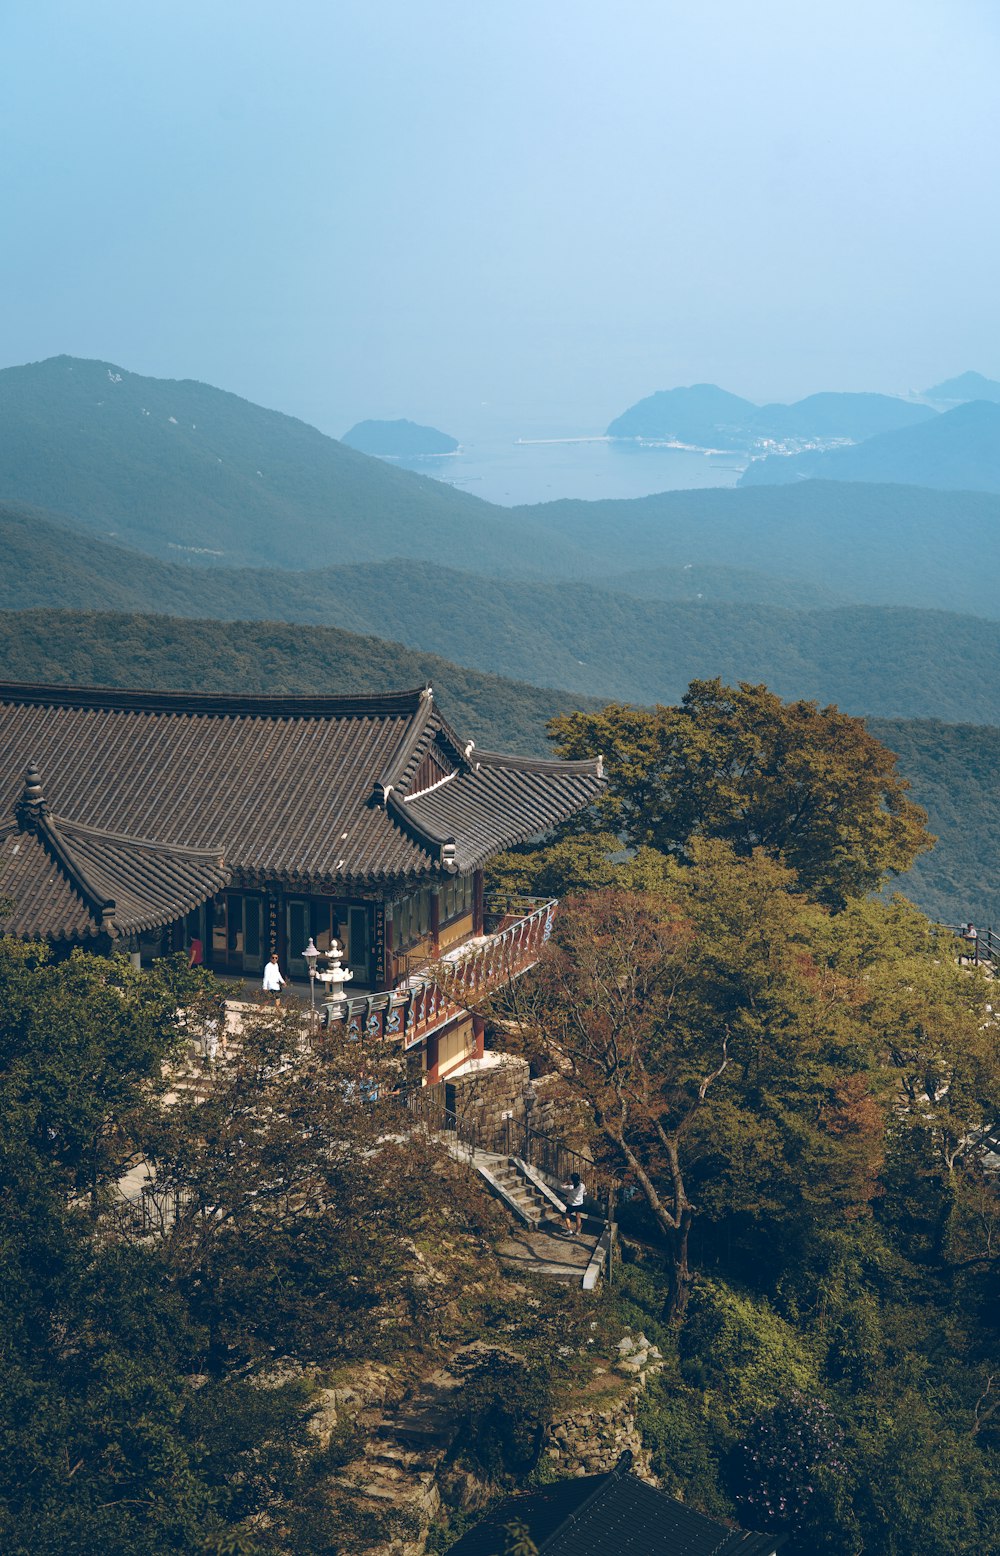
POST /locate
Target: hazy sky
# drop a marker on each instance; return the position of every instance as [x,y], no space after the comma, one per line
[533,211]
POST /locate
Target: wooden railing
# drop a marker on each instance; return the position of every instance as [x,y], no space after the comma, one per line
[436,993]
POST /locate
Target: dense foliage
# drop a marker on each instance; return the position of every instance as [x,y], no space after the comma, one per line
[810,787]
[792,1103]
[158,1371]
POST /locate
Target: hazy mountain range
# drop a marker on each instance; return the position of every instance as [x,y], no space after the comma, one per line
[135,495]
[710,417]
[948,438]
[957,450]
[598,641]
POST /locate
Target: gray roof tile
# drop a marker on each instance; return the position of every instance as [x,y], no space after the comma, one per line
[305,789]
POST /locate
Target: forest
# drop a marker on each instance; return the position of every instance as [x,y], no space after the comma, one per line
[886,661]
[788,1079]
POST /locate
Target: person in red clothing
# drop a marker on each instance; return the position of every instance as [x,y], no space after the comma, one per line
[197,955]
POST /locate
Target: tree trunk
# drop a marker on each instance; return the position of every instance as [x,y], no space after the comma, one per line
[681,1278]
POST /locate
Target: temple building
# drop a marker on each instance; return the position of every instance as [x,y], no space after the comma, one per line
[146,821]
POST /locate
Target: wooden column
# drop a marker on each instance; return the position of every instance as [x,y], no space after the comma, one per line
[390,951]
[436,922]
[477,903]
[275,927]
[431,1074]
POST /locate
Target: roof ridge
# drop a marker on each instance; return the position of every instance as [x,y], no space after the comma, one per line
[101,906]
[405,746]
[592,765]
[235,703]
[154,846]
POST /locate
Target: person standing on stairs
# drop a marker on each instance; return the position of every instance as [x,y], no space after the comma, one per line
[575,1191]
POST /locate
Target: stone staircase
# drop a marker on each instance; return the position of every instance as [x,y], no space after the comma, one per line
[520,1189]
[540,1245]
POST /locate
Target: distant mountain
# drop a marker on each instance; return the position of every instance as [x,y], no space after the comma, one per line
[967,386]
[709,417]
[876,660]
[893,545]
[184,470]
[398,439]
[702,414]
[804,546]
[958,450]
[723,585]
[852,416]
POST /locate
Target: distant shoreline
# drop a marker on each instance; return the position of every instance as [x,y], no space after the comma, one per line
[672,443]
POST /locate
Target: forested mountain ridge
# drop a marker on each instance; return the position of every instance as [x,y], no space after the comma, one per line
[716,583]
[883,661]
[959,450]
[875,544]
[950,766]
[94,648]
[953,772]
[179,468]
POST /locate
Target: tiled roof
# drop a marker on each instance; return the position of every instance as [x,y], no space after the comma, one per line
[312,791]
[503,800]
[610,1515]
[68,882]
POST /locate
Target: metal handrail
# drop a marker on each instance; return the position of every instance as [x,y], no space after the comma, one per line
[510,1137]
[983,946]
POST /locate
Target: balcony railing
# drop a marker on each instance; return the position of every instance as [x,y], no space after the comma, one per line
[438,992]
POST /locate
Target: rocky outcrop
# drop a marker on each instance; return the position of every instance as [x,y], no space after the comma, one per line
[590,1441]
[408,1470]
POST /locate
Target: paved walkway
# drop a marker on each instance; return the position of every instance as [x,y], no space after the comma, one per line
[545,1251]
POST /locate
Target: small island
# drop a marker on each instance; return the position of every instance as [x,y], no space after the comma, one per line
[399,440]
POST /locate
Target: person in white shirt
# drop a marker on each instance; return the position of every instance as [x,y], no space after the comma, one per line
[575,1191]
[273,980]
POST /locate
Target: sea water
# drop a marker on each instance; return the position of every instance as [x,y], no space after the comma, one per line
[511,471]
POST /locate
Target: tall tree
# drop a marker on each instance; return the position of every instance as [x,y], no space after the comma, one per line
[808,785]
[712,1048]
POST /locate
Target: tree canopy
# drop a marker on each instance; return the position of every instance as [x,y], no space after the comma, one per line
[807,785]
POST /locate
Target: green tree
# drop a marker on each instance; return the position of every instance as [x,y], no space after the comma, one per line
[708,1041]
[808,785]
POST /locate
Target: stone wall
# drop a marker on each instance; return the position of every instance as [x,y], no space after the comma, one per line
[489,1091]
[590,1441]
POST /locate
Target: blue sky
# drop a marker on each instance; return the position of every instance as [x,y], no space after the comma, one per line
[525,213]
